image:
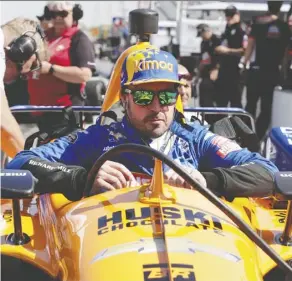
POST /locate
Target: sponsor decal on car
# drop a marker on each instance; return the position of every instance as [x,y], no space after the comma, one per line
[160,272]
[151,215]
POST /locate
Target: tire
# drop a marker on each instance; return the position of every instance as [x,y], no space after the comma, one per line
[95,90]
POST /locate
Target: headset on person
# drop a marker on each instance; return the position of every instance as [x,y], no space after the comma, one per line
[23,47]
[77,12]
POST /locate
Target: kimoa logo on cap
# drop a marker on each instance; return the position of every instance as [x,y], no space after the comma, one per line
[152,64]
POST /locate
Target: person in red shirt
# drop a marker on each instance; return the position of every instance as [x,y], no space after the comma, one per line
[62,79]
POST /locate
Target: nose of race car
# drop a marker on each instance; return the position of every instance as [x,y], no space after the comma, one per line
[113,237]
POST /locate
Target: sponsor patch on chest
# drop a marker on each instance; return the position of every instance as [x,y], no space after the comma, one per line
[225,146]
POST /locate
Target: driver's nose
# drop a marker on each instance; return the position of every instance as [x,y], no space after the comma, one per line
[155,105]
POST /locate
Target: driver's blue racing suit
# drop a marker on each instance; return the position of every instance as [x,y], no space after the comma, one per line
[228,169]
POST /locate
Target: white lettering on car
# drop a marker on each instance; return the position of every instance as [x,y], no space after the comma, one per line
[49,167]
[13,174]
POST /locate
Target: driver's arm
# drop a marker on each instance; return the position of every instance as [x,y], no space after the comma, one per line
[61,166]
[232,171]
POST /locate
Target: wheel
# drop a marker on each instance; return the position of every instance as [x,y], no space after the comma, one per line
[95,89]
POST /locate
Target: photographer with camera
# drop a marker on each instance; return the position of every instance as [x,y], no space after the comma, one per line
[22,48]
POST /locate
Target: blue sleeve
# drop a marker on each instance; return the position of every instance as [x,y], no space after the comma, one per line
[217,151]
[80,148]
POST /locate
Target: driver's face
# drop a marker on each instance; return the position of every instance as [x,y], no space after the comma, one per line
[152,120]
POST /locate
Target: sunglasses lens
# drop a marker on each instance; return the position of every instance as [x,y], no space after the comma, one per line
[62,14]
[142,97]
[167,98]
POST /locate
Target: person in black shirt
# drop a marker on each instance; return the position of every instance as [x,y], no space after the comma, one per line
[287,67]
[209,65]
[231,51]
[268,41]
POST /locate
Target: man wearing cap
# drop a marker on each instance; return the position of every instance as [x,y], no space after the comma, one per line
[287,65]
[149,82]
[209,66]
[234,42]
[267,44]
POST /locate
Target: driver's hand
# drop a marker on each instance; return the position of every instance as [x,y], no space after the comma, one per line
[172,178]
[111,176]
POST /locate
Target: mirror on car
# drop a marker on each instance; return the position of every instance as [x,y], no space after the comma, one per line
[283,183]
[17,184]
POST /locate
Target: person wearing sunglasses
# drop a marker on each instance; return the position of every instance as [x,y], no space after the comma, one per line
[63,77]
[149,92]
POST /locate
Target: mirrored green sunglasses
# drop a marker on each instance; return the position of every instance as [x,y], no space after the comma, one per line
[145,97]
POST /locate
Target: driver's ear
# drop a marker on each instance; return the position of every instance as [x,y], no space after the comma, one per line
[124,98]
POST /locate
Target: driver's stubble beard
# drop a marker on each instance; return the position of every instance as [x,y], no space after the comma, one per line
[145,133]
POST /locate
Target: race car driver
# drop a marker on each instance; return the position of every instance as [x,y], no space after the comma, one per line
[149,83]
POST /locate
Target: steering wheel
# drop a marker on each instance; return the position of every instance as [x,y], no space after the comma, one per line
[243,226]
[140,149]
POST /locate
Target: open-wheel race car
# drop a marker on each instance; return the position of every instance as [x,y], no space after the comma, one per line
[152,232]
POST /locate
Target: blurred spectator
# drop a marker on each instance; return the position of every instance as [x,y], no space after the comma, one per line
[287,67]
[62,78]
[45,19]
[24,49]
[234,41]
[268,40]
[185,91]
[208,67]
